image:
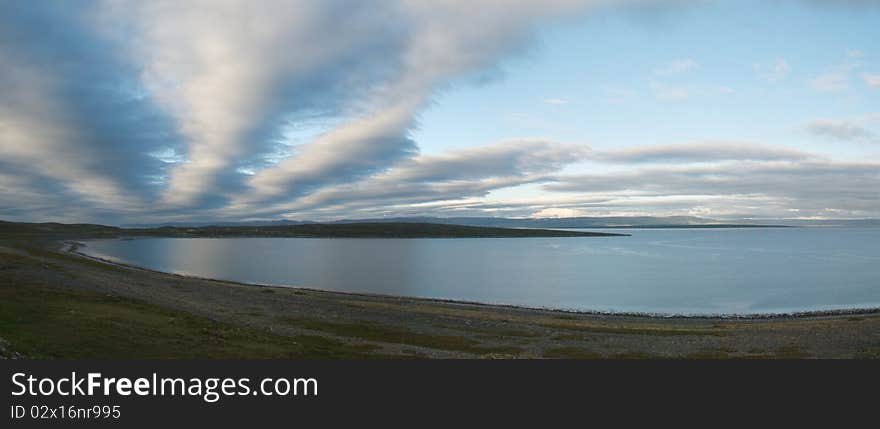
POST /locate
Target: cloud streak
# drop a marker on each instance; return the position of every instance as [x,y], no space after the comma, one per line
[851,131]
[775,72]
[71,111]
[122,111]
[424,179]
[677,67]
[160,106]
[810,188]
[702,152]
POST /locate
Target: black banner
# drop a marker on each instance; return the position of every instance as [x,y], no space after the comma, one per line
[422,392]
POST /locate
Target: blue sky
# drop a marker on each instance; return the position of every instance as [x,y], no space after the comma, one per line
[205,110]
[602,79]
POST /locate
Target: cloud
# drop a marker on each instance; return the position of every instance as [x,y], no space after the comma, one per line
[769,188]
[232,72]
[872,80]
[156,111]
[509,158]
[853,131]
[72,111]
[440,42]
[556,101]
[701,152]
[167,107]
[619,95]
[557,212]
[837,78]
[447,177]
[706,178]
[854,54]
[677,67]
[664,92]
[775,72]
[833,81]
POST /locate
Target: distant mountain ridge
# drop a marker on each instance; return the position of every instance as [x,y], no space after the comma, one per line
[20,230]
[570,222]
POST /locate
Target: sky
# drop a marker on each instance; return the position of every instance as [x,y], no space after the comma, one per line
[125,112]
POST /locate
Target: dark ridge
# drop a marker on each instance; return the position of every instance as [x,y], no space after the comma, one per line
[334,230]
[360,230]
[500,222]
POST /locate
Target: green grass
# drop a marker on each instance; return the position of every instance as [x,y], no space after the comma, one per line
[372,331]
[869,353]
[502,332]
[634,355]
[48,254]
[48,323]
[570,337]
[709,354]
[570,353]
[566,317]
[792,352]
[663,332]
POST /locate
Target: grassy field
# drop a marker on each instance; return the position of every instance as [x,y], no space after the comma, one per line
[48,323]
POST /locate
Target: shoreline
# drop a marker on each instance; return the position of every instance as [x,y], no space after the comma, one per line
[54,296]
[799,315]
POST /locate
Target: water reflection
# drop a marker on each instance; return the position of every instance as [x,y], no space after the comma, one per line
[663,271]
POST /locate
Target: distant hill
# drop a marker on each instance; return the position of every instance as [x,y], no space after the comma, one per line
[312,230]
[552,223]
[362,230]
[53,229]
[857,223]
[281,222]
[575,222]
[499,222]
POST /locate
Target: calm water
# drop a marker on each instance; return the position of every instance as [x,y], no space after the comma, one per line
[683,271]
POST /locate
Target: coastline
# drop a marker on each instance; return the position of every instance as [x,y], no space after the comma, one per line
[809,314]
[62,304]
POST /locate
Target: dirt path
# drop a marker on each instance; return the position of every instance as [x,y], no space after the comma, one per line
[407,327]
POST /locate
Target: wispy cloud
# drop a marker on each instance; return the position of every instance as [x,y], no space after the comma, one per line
[833,81]
[619,95]
[773,72]
[809,188]
[711,151]
[72,110]
[837,78]
[175,107]
[678,66]
[168,110]
[556,101]
[445,178]
[846,130]
[666,92]
[854,54]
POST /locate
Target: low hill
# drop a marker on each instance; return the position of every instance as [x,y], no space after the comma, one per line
[500,222]
[360,230]
[334,230]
